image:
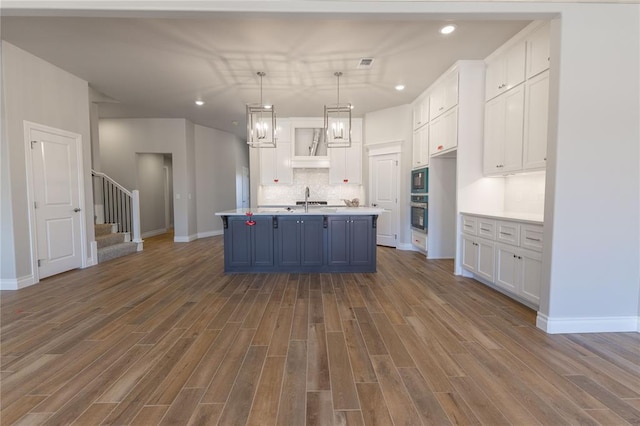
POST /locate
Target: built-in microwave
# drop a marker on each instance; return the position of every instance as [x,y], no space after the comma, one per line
[420,181]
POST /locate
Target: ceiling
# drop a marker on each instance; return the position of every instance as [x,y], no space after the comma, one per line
[152,67]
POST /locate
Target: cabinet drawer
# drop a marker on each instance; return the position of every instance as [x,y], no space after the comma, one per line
[508,232]
[470,225]
[531,237]
[419,240]
[487,228]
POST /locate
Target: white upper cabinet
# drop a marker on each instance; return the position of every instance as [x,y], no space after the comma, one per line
[503,132]
[535,124]
[420,147]
[506,70]
[420,112]
[443,133]
[275,165]
[444,95]
[345,164]
[538,55]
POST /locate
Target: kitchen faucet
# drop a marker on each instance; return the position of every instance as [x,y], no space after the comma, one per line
[306,199]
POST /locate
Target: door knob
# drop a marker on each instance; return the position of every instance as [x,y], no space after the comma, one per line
[76,210]
[374,205]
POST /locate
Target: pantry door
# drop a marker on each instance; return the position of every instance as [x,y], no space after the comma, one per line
[383,186]
[55,164]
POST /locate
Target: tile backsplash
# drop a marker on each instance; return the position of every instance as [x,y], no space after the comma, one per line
[319,188]
[525,193]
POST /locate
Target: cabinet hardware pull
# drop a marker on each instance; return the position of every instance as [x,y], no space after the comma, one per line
[504,233]
[533,239]
[485,229]
[345,180]
[275,180]
[515,257]
[467,226]
[440,147]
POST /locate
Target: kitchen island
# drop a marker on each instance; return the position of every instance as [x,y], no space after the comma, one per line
[295,239]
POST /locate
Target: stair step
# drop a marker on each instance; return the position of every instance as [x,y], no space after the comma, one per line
[116,250]
[110,239]
[104,228]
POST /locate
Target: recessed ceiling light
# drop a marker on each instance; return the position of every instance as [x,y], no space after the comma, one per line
[400,87]
[447,29]
[199,102]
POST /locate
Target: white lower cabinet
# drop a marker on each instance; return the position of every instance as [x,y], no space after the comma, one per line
[510,258]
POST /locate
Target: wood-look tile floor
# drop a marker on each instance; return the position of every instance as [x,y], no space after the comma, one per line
[165,337]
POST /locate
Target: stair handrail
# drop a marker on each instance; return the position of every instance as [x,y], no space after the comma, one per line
[110,179]
[136,236]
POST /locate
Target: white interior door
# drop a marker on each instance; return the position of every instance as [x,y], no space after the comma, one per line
[57,201]
[383,186]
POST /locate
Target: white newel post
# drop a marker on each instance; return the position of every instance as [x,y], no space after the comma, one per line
[135,198]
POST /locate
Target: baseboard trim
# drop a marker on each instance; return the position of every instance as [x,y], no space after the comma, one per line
[210,233]
[406,247]
[17,283]
[93,259]
[186,239]
[587,325]
[154,233]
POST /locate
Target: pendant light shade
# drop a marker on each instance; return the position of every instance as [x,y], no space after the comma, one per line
[337,122]
[261,123]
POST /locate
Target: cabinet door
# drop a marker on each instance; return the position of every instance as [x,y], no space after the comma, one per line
[504,121]
[450,91]
[275,165]
[486,259]
[420,113]
[443,132]
[337,240]
[288,240]
[262,241]
[421,147]
[505,71]
[507,268]
[536,114]
[353,164]
[237,242]
[361,240]
[311,241]
[538,51]
[514,123]
[531,278]
[469,254]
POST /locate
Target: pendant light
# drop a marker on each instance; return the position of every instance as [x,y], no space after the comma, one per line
[337,122]
[261,123]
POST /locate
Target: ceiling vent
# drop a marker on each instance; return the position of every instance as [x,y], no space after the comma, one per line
[365,63]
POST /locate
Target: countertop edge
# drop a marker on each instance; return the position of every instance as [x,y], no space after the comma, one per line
[343,211]
[508,216]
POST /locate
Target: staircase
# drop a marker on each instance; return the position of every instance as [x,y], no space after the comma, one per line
[111,243]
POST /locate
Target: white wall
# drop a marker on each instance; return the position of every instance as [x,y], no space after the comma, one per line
[592,251]
[390,125]
[150,178]
[219,157]
[121,139]
[35,91]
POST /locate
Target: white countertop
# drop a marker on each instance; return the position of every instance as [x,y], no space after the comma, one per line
[299,210]
[536,219]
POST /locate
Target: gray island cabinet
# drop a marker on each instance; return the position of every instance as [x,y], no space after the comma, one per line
[304,243]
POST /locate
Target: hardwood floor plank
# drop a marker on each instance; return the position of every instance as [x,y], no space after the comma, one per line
[374,408]
[615,404]
[398,352]
[204,372]
[399,403]
[32,419]
[371,335]
[244,306]
[457,410]
[343,387]
[319,408]
[255,313]
[206,414]
[293,398]
[300,323]
[182,407]
[95,414]
[238,406]
[344,306]
[317,359]
[360,361]
[265,405]
[478,401]
[280,340]
[348,418]
[423,398]
[330,306]
[267,324]
[221,384]
[220,320]
[19,408]
[316,310]
[149,415]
